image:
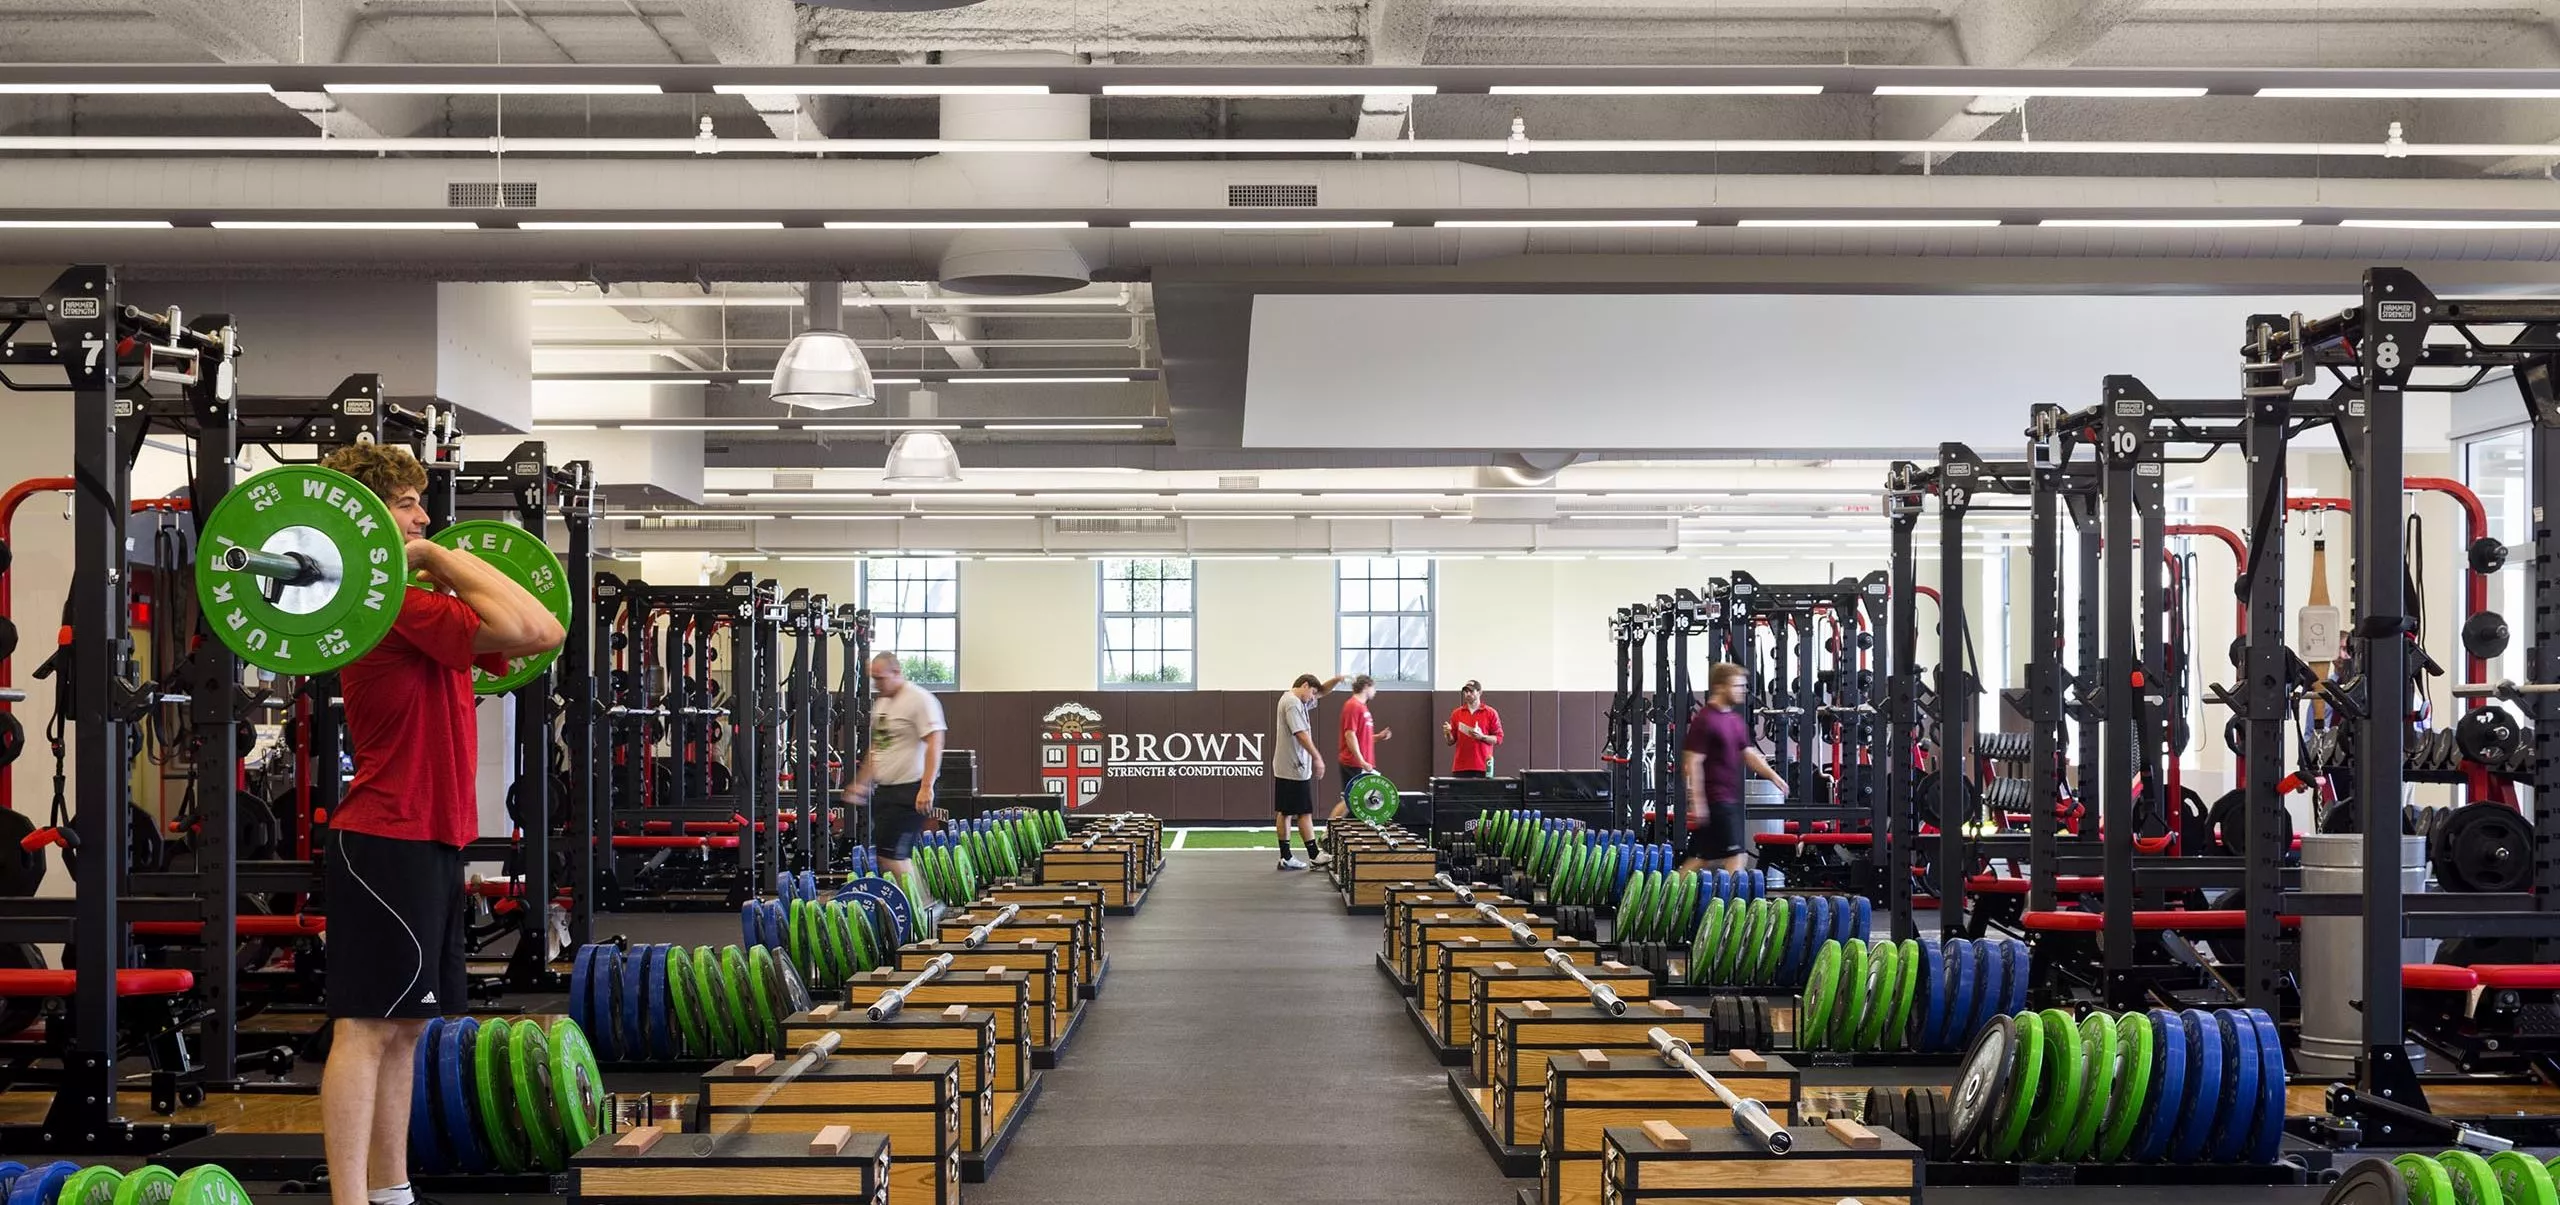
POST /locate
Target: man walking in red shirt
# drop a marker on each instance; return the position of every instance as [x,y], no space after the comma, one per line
[394,845]
[1359,745]
[1474,730]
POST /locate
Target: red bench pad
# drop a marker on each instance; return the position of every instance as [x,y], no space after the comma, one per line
[2230,920]
[2523,975]
[675,843]
[301,924]
[1989,884]
[1785,839]
[2429,977]
[32,982]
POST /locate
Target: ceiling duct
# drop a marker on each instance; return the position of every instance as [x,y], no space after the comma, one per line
[1120,526]
[889,6]
[1015,263]
[1524,469]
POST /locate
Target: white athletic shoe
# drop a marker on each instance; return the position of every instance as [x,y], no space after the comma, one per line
[1292,864]
[1320,859]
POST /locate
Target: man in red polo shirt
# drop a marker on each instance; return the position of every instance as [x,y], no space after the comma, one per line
[1359,745]
[1474,730]
[394,846]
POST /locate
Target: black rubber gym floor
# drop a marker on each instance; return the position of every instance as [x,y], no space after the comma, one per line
[1245,1050]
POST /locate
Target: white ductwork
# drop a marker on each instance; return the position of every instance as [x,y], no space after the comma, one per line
[1525,469]
[1018,262]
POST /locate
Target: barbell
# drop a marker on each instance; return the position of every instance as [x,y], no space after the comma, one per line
[303,570]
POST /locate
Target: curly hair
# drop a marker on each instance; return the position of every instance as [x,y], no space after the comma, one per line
[386,469]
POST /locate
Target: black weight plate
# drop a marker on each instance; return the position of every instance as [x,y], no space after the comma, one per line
[2484,635]
[2484,847]
[2369,1182]
[1982,1083]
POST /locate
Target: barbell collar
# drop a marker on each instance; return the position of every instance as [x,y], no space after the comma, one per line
[978,937]
[1466,895]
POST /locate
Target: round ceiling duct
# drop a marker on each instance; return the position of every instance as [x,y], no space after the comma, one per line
[1012,264]
[889,6]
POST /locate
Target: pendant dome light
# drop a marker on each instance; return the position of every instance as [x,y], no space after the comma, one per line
[823,368]
[921,457]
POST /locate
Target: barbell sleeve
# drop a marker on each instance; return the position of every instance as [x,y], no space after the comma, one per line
[978,937]
[1465,895]
[895,998]
[1750,1117]
[1602,997]
[2504,688]
[291,568]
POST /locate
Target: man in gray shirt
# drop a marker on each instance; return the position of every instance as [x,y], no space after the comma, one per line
[1295,765]
[897,774]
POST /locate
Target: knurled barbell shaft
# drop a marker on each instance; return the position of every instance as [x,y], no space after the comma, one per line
[291,568]
[1750,1117]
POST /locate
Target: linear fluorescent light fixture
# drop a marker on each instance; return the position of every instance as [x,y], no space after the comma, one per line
[889,427]
[713,427]
[649,225]
[1655,90]
[2409,93]
[881,89]
[2171,223]
[491,89]
[1098,380]
[1867,223]
[82,224]
[2450,224]
[1301,224]
[1042,225]
[1066,427]
[819,559]
[325,225]
[622,381]
[1563,223]
[1006,517]
[2032,90]
[1269,90]
[793,302]
[564,426]
[132,89]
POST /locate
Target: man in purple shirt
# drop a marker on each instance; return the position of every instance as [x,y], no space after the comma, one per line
[1712,758]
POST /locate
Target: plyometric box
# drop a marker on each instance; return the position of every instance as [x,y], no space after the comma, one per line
[913,1100]
[1401,901]
[955,1032]
[1525,1036]
[1651,1166]
[1001,993]
[1067,929]
[1586,1097]
[1044,962]
[679,1169]
[1369,867]
[1527,977]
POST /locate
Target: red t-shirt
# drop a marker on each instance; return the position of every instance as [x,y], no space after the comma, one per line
[1359,734]
[409,718]
[1470,753]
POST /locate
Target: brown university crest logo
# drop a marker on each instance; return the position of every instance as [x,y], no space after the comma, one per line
[1074,755]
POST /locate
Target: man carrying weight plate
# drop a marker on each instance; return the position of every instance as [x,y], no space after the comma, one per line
[394,846]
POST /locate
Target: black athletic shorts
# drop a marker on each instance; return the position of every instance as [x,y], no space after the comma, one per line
[1293,796]
[1719,836]
[895,822]
[1470,773]
[395,928]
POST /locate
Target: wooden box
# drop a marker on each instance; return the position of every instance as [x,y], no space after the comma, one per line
[1052,996]
[1526,1035]
[1366,869]
[1449,923]
[1110,865]
[1585,1098]
[1404,901]
[680,1169]
[1067,930]
[1725,1167]
[1143,829]
[1003,994]
[1440,991]
[1084,898]
[955,1032]
[1527,976]
[914,1102]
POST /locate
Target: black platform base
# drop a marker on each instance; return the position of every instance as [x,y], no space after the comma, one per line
[1515,1161]
[1394,976]
[1045,1058]
[1137,900]
[975,1164]
[1449,1056]
[1101,975]
[301,1158]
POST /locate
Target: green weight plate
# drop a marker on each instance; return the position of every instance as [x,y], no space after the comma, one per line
[493,1074]
[1631,908]
[683,1001]
[577,1086]
[2131,1101]
[764,988]
[1373,798]
[1756,960]
[529,1057]
[2102,1045]
[1884,978]
[795,930]
[2429,1184]
[818,964]
[2473,1181]
[1666,906]
[90,1186]
[1702,945]
[1820,999]
[1560,891]
[2522,1179]
[207,1183]
[1719,940]
[1680,907]
[855,917]
[743,1034]
[1774,948]
[706,996]
[834,935]
[2060,1097]
[150,1184]
[2026,1079]
[1906,988]
[346,534]
[1849,1016]
[1742,940]
[525,560]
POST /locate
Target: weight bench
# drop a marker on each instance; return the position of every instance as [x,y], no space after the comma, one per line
[300,924]
[1996,900]
[25,982]
[2489,1018]
[673,842]
[26,991]
[2166,920]
[2068,944]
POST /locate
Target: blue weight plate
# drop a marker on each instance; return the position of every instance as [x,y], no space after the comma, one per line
[2239,1111]
[1991,981]
[1817,930]
[751,922]
[2019,972]
[809,885]
[453,1095]
[888,895]
[604,984]
[425,1152]
[2204,1085]
[1713,884]
[1791,963]
[658,1007]
[1759,883]
[1928,1001]
[10,1170]
[581,969]
[2168,1086]
[1863,925]
[2266,1138]
[39,1185]
[775,914]
[1963,961]
[631,1004]
[787,886]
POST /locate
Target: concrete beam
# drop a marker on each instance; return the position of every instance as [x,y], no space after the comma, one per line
[1398,33]
[304,31]
[758,33]
[2000,33]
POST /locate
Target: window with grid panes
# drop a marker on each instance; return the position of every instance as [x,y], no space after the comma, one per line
[1383,617]
[915,606]
[1148,623]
